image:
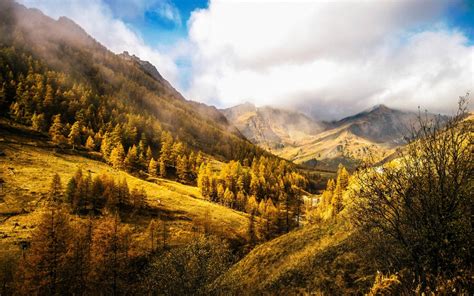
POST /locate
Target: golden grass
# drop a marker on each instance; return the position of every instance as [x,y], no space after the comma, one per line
[28,170]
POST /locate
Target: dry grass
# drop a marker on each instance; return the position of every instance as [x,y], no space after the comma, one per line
[28,169]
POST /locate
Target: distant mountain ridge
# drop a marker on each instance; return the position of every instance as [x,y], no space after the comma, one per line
[377,132]
[270,127]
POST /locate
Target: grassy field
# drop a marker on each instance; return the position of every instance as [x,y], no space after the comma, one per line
[29,163]
[306,261]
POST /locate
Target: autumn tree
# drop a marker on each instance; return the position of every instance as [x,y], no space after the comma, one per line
[153,167]
[43,270]
[90,143]
[422,203]
[38,122]
[117,156]
[74,137]
[111,254]
[55,190]
[56,130]
[132,159]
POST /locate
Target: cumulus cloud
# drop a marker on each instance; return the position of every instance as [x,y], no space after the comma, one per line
[98,19]
[325,58]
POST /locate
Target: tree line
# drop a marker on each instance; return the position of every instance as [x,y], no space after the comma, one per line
[267,187]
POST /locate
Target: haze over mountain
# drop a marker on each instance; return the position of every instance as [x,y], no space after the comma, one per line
[271,127]
[295,136]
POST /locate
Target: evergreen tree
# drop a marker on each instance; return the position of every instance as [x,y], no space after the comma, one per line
[252,205]
[182,168]
[117,156]
[336,203]
[153,167]
[44,268]
[229,198]
[56,190]
[90,144]
[131,160]
[74,137]
[56,130]
[162,168]
[38,122]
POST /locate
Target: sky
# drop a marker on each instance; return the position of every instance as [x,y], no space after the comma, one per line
[327,59]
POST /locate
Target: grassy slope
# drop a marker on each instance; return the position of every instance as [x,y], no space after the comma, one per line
[332,144]
[29,165]
[318,258]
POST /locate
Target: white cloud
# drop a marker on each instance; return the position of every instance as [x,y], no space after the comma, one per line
[328,58]
[99,21]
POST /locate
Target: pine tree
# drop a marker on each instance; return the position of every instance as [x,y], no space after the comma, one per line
[131,160]
[148,155]
[182,168]
[177,150]
[241,201]
[342,177]
[38,122]
[117,156]
[252,205]
[110,249]
[90,144]
[153,167]
[203,180]
[45,265]
[262,208]
[56,130]
[56,190]
[162,168]
[74,137]
[229,198]
[336,202]
[165,152]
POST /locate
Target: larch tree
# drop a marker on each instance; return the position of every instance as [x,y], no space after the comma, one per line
[90,143]
[56,130]
[44,268]
[117,156]
[153,167]
[55,190]
[74,137]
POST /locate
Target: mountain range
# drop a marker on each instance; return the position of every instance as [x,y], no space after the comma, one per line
[375,133]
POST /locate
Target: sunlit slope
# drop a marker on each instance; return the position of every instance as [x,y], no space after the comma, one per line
[28,166]
[307,260]
[335,143]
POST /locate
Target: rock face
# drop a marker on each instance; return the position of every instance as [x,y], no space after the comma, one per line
[270,127]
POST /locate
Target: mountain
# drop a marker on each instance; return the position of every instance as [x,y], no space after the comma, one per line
[270,127]
[101,89]
[380,124]
[375,132]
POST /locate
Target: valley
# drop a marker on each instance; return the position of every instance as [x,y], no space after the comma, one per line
[115,180]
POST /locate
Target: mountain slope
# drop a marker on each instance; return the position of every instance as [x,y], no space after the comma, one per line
[33,43]
[306,261]
[374,133]
[380,124]
[28,163]
[270,127]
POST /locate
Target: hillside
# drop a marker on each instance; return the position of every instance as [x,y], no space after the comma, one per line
[101,83]
[272,128]
[318,258]
[28,163]
[374,133]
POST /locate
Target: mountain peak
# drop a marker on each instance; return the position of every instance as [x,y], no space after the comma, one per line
[379,108]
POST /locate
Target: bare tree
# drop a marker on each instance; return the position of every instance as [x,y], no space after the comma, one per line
[422,202]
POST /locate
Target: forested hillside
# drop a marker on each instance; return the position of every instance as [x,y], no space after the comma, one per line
[53,67]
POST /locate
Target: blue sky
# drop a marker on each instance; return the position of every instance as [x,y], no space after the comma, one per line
[325,58]
[155,28]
